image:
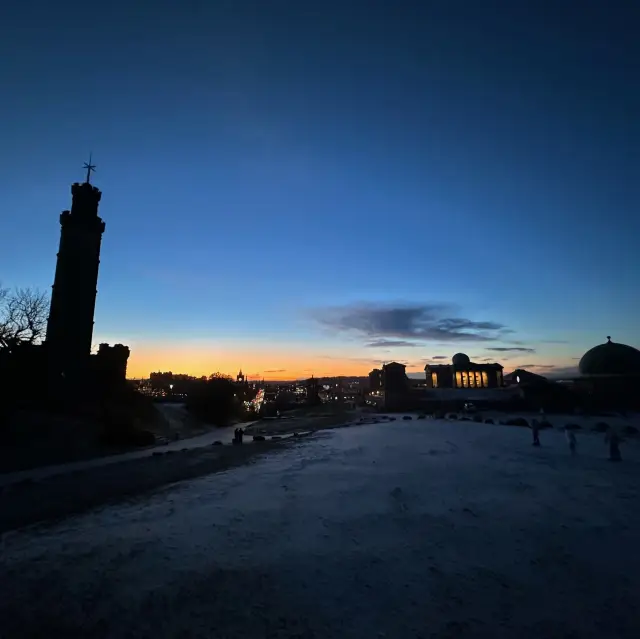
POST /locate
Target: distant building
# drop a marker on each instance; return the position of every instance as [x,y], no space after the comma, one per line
[375,380]
[463,373]
[313,388]
[388,386]
[394,378]
[523,378]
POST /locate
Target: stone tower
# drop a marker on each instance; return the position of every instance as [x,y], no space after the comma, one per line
[73,295]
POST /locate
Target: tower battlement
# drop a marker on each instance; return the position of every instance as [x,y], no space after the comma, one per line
[85,200]
[111,362]
[84,188]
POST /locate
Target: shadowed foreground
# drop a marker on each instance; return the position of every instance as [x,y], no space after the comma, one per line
[419,529]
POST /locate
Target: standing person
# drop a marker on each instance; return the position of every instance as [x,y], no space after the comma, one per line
[613,439]
[571,440]
[535,430]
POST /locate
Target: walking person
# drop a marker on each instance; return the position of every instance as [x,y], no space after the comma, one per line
[571,440]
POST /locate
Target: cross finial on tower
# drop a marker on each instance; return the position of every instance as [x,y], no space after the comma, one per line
[90,167]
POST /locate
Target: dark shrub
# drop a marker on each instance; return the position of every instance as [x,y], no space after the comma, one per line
[217,443]
[601,427]
[573,427]
[488,421]
[422,417]
[464,418]
[477,418]
[258,438]
[214,400]
[630,430]
[407,417]
[438,414]
[126,436]
[452,416]
[516,421]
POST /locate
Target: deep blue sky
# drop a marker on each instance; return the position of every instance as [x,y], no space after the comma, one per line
[262,162]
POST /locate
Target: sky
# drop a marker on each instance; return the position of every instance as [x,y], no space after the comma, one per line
[297,188]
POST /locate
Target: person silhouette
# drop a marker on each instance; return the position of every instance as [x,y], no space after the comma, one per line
[571,440]
[613,439]
[535,430]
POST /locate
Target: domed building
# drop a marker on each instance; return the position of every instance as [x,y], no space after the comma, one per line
[610,376]
[463,373]
[610,358]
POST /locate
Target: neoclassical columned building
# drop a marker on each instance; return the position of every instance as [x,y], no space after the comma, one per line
[463,373]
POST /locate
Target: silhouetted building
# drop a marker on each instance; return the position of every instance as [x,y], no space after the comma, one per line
[394,378]
[463,373]
[375,380]
[609,377]
[313,387]
[610,359]
[109,364]
[395,386]
[523,378]
[240,378]
[73,295]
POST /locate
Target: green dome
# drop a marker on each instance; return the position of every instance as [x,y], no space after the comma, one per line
[610,358]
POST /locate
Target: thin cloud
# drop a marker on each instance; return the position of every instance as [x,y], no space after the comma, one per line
[391,343]
[514,349]
[276,370]
[439,357]
[408,322]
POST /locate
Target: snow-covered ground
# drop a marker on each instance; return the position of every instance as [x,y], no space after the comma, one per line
[224,435]
[404,529]
[559,420]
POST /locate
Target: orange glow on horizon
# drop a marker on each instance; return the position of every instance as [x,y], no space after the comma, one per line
[256,364]
[287,362]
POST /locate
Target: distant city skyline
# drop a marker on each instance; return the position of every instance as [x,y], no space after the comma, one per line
[317,188]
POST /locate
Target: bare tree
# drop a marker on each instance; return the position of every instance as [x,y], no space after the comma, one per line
[23,316]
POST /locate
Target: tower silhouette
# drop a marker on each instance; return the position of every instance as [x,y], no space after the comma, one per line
[73,295]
